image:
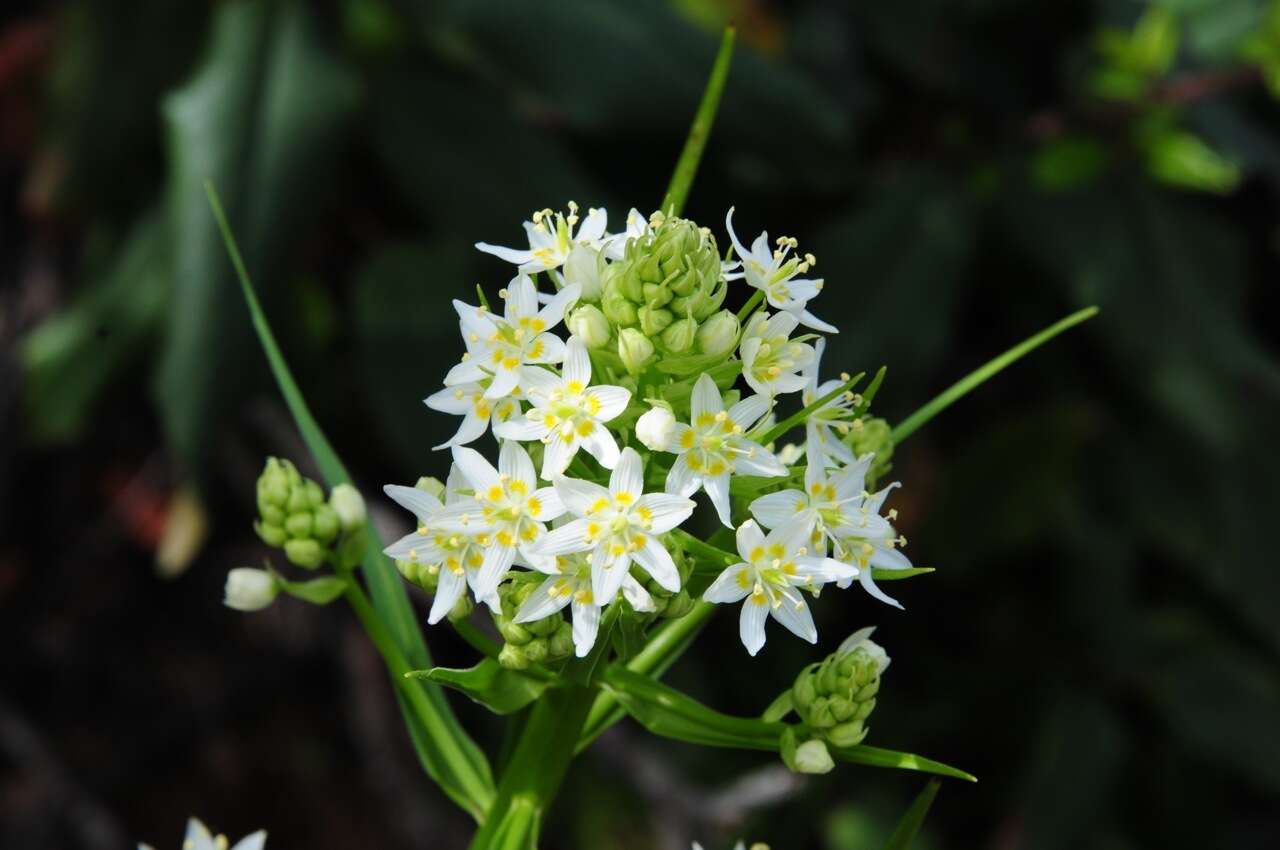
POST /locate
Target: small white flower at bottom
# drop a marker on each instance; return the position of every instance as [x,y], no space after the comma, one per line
[769,578]
[199,837]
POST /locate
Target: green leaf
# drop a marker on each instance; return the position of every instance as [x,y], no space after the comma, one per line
[687,166]
[981,375]
[446,751]
[262,118]
[317,591]
[914,817]
[667,712]
[498,689]
[896,575]
[69,359]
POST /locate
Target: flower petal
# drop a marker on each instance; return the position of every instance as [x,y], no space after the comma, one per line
[869,585]
[455,400]
[557,453]
[601,445]
[628,476]
[449,590]
[682,480]
[579,496]
[656,561]
[548,503]
[516,428]
[612,400]
[542,603]
[666,511]
[479,472]
[718,489]
[730,586]
[511,255]
[568,538]
[750,410]
[422,504]
[795,615]
[706,397]
[634,592]
[775,510]
[577,363]
[586,625]
[751,624]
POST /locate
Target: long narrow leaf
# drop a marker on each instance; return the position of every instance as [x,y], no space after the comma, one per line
[913,818]
[498,689]
[447,752]
[976,378]
[687,165]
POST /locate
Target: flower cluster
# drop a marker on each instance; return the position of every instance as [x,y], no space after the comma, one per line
[609,377]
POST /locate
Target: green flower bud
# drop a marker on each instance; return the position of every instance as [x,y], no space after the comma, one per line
[872,435]
[272,515]
[560,644]
[719,333]
[680,336]
[513,658]
[299,525]
[635,349]
[813,757]
[305,553]
[348,505]
[836,697]
[653,320]
[847,734]
[461,609]
[273,483]
[271,534]
[315,496]
[434,486]
[325,524]
[536,650]
[590,325]
[514,633]
[618,308]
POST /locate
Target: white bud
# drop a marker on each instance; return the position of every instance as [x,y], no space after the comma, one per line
[249,589]
[588,324]
[585,267]
[655,428]
[635,349]
[348,504]
[861,639]
[813,757]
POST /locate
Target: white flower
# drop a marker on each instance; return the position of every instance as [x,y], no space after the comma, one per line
[455,557]
[655,428]
[551,238]
[507,515]
[774,272]
[617,526]
[568,413]
[836,509]
[477,410]
[771,361]
[249,589]
[569,583]
[504,351]
[826,425]
[773,569]
[712,446]
[198,837]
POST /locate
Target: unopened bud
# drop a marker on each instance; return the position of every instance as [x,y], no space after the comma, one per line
[249,589]
[655,428]
[635,349]
[719,333]
[679,337]
[306,553]
[813,757]
[590,325]
[427,484]
[585,266]
[348,504]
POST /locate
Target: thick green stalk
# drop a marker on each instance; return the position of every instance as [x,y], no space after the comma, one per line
[700,130]
[960,388]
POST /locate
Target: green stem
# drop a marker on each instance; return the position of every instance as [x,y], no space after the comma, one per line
[662,650]
[476,639]
[412,692]
[687,165]
[703,550]
[752,303]
[960,388]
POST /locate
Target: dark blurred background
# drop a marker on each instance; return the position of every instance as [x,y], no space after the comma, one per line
[1101,641]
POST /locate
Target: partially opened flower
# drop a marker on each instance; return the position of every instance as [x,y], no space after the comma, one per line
[774,270]
[618,525]
[199,837]
[771,360]
[551,236]
[825,426]
[568,583]
[568,413]
[506,351]
[712,446]
[769,578]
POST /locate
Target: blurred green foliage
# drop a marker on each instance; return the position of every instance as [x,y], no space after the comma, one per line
[1101,642]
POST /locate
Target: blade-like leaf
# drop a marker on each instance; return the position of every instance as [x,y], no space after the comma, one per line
[913,818]
[979,376]
[498,689]
[447,752]
[687,165]
[877,757]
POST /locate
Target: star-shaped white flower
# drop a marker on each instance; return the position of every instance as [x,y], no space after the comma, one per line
[507,350]
[199,837]
[567,413]
[712,446]
[618,525]
[774,272]
[771,360]
[568,583]
[454,556]
[839,514]
[552,236]
[773,570]
[508,515]
[825,426]
[469,401]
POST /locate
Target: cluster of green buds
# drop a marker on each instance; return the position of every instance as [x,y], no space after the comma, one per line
[663,296]
[834,699]
[541,641]
[294,515]
[871,434]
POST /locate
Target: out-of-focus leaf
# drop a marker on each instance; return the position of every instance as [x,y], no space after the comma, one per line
[261,119]
[70,358]
[317,591]
[913,818]
[1069,162]
[498,689]
[1181,158]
